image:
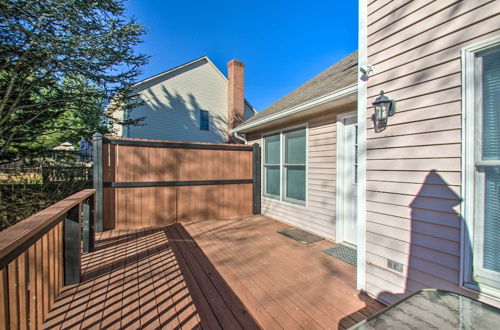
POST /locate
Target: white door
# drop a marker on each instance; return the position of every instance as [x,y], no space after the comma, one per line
[347,156]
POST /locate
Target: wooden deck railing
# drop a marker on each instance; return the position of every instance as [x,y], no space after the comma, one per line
[41,254]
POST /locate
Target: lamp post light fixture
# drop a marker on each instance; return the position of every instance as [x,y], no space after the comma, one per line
[384,107]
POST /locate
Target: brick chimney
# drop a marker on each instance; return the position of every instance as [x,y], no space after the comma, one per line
[235,96]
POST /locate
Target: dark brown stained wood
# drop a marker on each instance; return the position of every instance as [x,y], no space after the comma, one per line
[211,274]
[147,297]
[130,310]
[14,240]
[4,299]
[98,298]
[51,267]
[139,175]
[167,301]
[233,303]
[60,256]
[173,144]
[202,303]
[39,283]
[22,289]
[32,273]
[45,276]
[332,299]
[13,283]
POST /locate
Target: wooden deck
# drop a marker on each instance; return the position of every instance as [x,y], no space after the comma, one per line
[232,273]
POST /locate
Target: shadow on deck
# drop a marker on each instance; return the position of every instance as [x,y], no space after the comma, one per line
[183,276]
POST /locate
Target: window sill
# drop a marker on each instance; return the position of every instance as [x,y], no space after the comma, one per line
[482,291]
[285,202]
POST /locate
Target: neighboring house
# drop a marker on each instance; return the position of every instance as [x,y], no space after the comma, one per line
[191,102]
[418,196]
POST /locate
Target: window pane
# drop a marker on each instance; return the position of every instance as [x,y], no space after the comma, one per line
[272,177]
[491,105]
[295,147]
[272,149]
[204,120]
[491,253]
[296,182]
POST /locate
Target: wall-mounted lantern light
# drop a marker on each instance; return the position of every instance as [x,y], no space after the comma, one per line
[384,107]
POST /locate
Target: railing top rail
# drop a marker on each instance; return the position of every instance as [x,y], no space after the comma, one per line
[17,238]
[175,144]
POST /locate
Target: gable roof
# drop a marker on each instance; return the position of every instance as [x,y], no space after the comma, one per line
[179,67]
[336,78]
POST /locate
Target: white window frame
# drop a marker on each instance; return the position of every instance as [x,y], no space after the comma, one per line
[282,198]
[468,268]
[264,176]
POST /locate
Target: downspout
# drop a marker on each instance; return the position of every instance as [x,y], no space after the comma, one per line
[241,138]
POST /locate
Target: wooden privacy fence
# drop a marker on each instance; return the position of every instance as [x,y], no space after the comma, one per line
[41,254]
[143,183]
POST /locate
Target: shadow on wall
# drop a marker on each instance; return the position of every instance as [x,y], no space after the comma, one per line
[170,116]
[434,247]
[435,236]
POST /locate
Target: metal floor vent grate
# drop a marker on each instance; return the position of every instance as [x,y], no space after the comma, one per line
[300,235]
[344,253]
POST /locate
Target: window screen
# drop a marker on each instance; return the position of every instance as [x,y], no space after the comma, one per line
[272,157]
[490,151]
[295,165]
[285,166]
[487,168]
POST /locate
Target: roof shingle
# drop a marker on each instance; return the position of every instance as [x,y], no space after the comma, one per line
[340,75]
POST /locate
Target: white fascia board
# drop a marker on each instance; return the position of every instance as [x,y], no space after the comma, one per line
[338,94]
[175,69]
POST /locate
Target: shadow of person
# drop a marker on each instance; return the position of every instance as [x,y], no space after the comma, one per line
[433,253]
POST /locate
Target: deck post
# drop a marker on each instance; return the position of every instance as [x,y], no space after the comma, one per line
[98,184]
[72,246]
[256,179]
[88,224]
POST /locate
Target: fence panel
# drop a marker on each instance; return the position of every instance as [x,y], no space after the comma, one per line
[150,183]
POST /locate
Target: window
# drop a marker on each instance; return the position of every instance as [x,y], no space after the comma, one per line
[482,186]
[204,123]
[272,166]
[285,166]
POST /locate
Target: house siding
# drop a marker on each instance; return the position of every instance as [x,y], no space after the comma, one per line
[318,216]
[173,103]
[413,183]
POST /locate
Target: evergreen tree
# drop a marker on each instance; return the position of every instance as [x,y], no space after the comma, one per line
[61,64]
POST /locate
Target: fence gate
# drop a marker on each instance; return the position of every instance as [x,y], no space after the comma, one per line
[143,183]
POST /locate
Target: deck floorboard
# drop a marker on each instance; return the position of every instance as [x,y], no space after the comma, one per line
[222,273]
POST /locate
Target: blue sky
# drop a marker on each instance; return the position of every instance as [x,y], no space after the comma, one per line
[282,43]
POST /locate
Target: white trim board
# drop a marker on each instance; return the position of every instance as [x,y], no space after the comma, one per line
[362,103]
[339,195]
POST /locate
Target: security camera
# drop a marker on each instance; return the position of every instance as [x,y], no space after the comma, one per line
[367,70]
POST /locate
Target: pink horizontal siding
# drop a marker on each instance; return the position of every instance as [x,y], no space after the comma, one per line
[319,215]
[414,166]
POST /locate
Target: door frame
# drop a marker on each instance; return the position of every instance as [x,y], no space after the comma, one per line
[339,198]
